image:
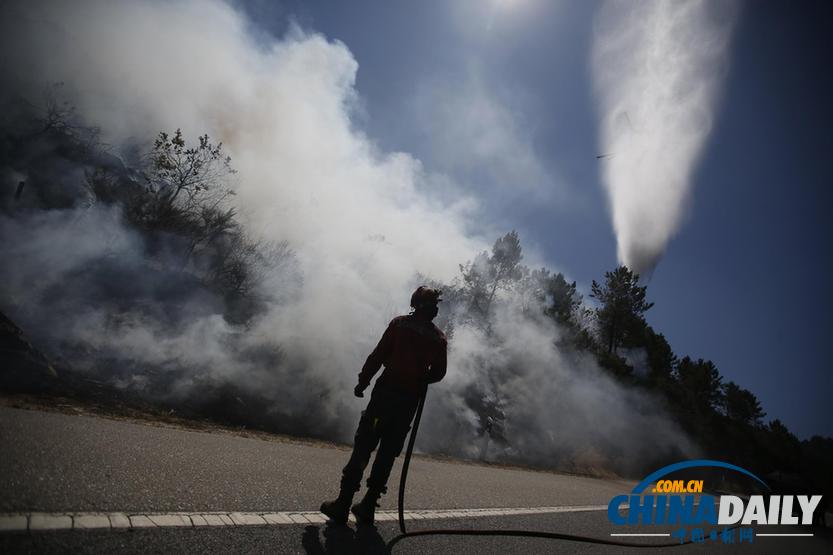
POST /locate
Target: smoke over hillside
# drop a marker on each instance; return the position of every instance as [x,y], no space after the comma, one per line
[658,67]
[351,227]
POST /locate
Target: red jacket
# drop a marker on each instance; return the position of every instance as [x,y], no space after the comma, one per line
[413,352]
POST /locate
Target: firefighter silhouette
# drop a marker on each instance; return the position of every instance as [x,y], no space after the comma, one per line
[413,352]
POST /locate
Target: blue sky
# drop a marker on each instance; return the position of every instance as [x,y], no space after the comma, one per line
[744,283]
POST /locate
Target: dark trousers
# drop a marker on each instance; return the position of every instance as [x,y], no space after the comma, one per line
[385,423]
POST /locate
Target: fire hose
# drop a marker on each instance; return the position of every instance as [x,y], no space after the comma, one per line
[484,532]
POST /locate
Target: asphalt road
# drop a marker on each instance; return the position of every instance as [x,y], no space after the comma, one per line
[328,539]
[55,462]
[58,462]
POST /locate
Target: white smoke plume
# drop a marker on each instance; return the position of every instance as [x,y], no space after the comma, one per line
[354,216]
[658,67]
[359,220]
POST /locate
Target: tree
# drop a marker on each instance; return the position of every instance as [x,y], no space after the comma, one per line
[741,405]
[701,382]
[481,279]
[661,358]
[185,191]
[488,406]
[784,448]
[181,206]
[489,273]
[622,305]
[816,462]
[193,175]
[561,301]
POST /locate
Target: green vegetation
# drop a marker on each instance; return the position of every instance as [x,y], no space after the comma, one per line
[725,419]
[178,200]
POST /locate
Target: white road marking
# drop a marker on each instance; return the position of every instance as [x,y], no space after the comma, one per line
[213,520]
[13,523]
[645,535]
[246,519]
[784,535]
[119,520]
[137,521]
[81,522]
[40,521]
[35,522]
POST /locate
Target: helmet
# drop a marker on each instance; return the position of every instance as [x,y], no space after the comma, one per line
[424,295]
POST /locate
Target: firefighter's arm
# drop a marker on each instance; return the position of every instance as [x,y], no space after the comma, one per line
[438,366]
[376,359]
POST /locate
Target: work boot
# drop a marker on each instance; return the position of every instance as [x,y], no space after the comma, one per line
[365,510]
[338,509]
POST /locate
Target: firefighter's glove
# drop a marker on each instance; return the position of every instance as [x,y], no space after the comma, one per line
[359,391]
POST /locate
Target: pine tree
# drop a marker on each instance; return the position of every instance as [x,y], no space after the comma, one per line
[622,306]
[741,404]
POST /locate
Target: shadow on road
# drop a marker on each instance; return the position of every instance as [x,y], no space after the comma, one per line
[339,538]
